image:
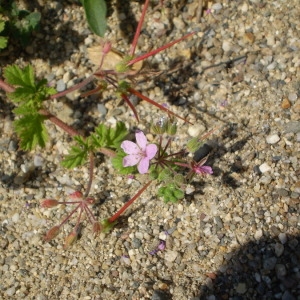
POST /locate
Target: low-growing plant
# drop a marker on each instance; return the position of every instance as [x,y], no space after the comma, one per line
[17,23]
[171,170]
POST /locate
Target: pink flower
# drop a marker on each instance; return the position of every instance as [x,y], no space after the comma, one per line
[138,154]
[202,169]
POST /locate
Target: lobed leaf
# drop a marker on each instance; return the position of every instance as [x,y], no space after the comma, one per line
[31,131]
[109,137]
[78,155]
[16,76]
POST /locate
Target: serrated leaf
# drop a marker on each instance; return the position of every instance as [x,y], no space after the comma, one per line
[109,137]
[16,76]
[22,93]
[2,25]
[95,11]
[33,20]
[31,131]
[3,42]
[77,155]
[117,163]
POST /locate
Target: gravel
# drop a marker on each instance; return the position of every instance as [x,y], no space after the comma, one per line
[235,235]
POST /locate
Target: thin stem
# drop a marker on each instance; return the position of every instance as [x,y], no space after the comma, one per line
[127,204]
[78,218]
[70,215]
[91,174]
[141,96]
[59,122]
[73,88]
[138,30]
[126,99]
[153,52]
[108,152]
[6,87]
[89,214]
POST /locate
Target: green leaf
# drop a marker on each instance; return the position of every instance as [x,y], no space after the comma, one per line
[31,131]
[95,11]
[77,155]
[109,137]
[170,193]
[2,25]
[117,162]
[16,76]
[33,20]
[3,42]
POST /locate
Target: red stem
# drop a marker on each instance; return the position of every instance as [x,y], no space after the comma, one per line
[126,99]
[141,96]
[153,52]
[59,122]
[126,205]
[73,88]
[6,87]
[138,29]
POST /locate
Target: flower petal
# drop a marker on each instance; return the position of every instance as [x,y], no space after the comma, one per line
[141,140]
[151,150]
[205,170]
[131,160]
[143,165]
[130,147]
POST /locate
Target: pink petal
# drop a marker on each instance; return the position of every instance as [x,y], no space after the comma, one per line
[206,169]
[141,140]
[143,165]
[130,147]
[151,150]
[131,160]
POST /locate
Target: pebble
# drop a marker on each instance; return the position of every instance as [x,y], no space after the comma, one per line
[282,192]
[170,255]
[216,7]
[273,139]
[178,23]
[292,127]
[282,237]
[241,288]
[279,248]
[196,130]
[292,97]
[269,263]
[60,85]
[264,168]
[285,103]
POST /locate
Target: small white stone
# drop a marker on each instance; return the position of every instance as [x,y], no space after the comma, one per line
[244,7]
[38,161]
[292,97]
[226,46]
[282,238]
[216,7]
[196,130]
[258,234]
[170,255]
[60,85]
[178,23]
[15,218]
[264,168]
[273,139]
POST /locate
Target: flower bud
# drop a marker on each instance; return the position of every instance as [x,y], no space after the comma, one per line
[52,233]
[71,239]
[171,128]
[106,47]
[48,203]
[76,195]
[97,228]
